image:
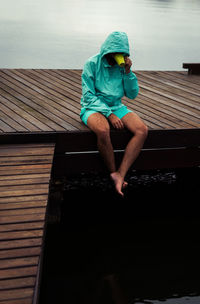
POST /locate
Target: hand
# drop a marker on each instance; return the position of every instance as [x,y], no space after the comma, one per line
[128,64]
[115,121]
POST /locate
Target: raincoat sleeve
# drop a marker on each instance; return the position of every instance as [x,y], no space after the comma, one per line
[91,100]
[131,88]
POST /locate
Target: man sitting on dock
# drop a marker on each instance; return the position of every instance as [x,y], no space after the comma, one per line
[104,83]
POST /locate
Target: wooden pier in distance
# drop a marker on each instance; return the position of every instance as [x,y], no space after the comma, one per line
[40,106]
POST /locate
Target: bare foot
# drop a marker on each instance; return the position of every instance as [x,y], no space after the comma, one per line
[118,181]
[125,184]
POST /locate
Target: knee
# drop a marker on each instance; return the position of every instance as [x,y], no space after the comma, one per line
[103,134]
[142,131]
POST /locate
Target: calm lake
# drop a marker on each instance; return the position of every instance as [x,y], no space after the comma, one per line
[148,241]
[64,33]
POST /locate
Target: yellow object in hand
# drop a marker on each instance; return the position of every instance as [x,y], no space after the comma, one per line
[119,58]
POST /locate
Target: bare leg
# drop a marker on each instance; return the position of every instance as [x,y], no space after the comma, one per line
[140,131]
[100,126]
[132,122]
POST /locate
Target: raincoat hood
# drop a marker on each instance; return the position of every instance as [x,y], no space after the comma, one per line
[116,42]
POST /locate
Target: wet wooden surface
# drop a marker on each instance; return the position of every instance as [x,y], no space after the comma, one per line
[49,100]
[24,187]
[43,105]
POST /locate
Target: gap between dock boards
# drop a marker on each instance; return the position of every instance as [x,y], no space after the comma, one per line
[25,171]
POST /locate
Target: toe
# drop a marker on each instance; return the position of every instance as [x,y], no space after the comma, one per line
[124,185]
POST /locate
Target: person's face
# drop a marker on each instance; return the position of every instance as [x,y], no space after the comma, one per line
[110,58]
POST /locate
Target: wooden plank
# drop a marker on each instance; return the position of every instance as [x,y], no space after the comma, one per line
[29,145]
[40,112]
[73,100]
[27,149]
[58,85]
[34,159]
[18,301]
[173,104]
[176,81]
[35,242]
[47,92]
[63,79]
[17,283]
[175,84]
[20,114]
[24,187]
[184,76]
[30,158]
[22,215]
[24,169]
[11,122]
[23,199]
[24,177]
[20,252]
[20,234]
[77,73]
[172,95]
[180,116]
[151,120]
[26,110]
[9,193]
[24,211]
[47,103]
[16,294]
[18,262]
[22,226]
[23,205]
[27,181]
[22,218]
[153,115]
[18,272]
[20,122]
[182,120]
[170,86]
[5,127]
[73,75]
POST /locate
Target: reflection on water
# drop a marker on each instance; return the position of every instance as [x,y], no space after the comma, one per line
[182,300]
[141,249]
[63,34]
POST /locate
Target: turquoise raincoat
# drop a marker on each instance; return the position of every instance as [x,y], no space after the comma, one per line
[103,85]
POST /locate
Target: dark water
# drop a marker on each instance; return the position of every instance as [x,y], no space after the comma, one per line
[141,249]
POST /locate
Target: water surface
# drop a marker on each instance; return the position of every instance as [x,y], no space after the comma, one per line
[63,34]
[149,240]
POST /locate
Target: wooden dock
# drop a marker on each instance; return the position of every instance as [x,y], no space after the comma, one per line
[24,186]
[38,107]
[44,105]
[49,100]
